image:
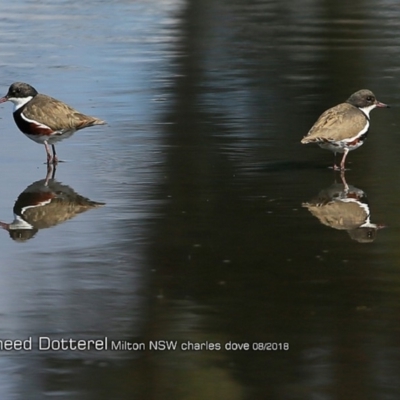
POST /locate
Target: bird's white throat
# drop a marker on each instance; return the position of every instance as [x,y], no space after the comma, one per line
[367,110]
[19,101]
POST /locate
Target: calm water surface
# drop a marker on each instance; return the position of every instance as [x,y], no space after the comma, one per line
[204,238]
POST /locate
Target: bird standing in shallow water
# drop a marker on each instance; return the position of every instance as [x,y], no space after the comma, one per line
[43,119]
[344,127]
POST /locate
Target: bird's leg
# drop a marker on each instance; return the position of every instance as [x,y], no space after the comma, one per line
[51,171]
[49,156]
[343,159]
[55,158]
[343,178]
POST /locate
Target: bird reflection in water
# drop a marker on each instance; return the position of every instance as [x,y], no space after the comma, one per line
[345,207]
[44,204]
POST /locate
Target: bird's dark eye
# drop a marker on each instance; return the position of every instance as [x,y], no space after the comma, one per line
[369,98]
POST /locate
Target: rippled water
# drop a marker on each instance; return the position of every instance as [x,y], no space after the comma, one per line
[207,236]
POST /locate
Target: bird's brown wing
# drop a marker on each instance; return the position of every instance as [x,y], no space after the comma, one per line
[57,115]
[341,122]
[338,214]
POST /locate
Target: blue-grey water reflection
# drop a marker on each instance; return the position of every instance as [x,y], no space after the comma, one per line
[207,236]
[44,204]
